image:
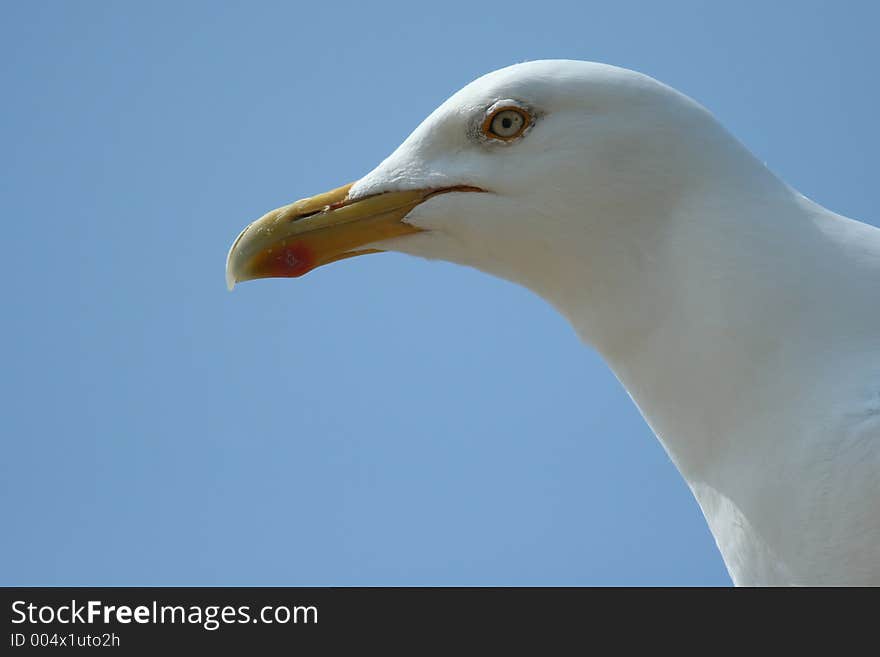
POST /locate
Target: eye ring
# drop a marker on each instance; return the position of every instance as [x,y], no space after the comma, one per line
[506,123]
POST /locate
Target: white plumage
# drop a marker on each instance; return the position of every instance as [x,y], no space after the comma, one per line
[742,318]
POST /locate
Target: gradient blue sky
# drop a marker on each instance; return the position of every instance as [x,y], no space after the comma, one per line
[384,420]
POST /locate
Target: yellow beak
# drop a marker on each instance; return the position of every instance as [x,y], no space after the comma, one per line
[296,238]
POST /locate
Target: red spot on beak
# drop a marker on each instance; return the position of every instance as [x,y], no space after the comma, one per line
[290,261]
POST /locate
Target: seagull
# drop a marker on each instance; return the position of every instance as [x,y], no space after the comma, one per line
[742,318]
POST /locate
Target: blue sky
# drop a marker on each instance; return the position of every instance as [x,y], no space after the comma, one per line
[384,420]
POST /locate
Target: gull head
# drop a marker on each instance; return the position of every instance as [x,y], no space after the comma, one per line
[541,173]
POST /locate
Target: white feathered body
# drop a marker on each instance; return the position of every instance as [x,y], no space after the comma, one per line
[742,318]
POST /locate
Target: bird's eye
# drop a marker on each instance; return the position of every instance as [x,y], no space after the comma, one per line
[506,123]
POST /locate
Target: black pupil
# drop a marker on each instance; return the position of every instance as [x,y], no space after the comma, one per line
[506,122]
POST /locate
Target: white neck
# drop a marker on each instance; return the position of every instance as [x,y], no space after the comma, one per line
[737,324]
[741,317]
